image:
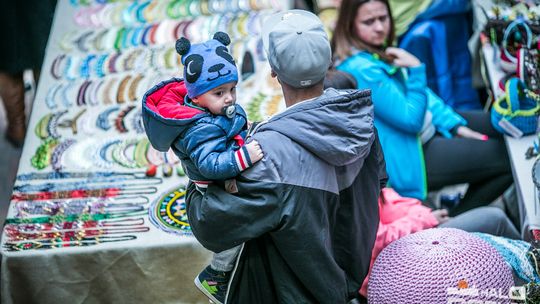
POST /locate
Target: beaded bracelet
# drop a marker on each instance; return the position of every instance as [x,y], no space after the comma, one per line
[66,42]
[103,121]
[107,91]
[144,35]
[98,40]
[149,13]
[52,126]
[104,16]
[193,8]
[42,157]
[85,66]
[139,16]
[93,98]
[41,128]
[172,10]
[141,150]
[102,157]
[99,66]
[137,122]
[56,157]
[204,7]
[112,62]
[88,93]
[50,99]
[119,38]
[81,93]
[66,99]
[128,15]
[119,121]
[132,91]
[120,93]
[55,66]
[119,153]
[81,41]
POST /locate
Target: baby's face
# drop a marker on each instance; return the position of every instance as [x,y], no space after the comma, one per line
[217,98]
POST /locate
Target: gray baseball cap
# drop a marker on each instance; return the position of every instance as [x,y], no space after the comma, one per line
[297,47]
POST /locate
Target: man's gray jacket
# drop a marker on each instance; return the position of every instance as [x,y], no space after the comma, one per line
[307,211]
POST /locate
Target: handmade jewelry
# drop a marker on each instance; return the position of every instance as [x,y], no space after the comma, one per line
[103,121]
[42,157]
[132,92]
[76,206]
[119,153]
[120,94]
[56,158]
[168,212]
[103,158]
[65,242]
[55,67]
[137,122]
[119,121]
[81,193]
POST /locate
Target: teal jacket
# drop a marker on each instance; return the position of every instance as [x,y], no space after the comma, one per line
[401,98]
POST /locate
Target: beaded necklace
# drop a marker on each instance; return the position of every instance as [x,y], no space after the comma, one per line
[89,176]
[15,235]
[168,212]
[60,218]
[76,206]
[65,242]
[81,193]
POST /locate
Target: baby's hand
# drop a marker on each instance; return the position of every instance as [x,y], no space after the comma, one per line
[254,150]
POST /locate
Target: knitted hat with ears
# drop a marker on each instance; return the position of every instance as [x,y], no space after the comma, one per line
[207,65]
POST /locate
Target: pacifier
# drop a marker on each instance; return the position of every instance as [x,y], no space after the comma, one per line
[229,111]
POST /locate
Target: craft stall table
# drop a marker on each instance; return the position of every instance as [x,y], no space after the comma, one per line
[86,224]
[529,205]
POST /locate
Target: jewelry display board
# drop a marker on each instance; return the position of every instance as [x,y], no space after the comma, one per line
[97,215]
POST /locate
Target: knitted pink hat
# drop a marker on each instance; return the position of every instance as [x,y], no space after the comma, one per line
[436,266]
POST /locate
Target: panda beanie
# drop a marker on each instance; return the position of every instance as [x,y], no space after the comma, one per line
[207,65]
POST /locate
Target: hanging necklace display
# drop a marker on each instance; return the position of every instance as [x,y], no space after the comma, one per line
[168,212]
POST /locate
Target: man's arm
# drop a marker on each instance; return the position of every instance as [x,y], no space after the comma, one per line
[221,220]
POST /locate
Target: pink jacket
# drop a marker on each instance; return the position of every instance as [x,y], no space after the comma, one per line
[399,216]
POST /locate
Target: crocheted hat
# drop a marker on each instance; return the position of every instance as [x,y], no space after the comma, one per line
[207,65]
[436,266]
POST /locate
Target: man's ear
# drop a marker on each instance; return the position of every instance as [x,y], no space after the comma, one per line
[273,74]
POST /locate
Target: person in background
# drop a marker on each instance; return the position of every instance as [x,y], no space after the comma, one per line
[307,211]
[426,144]
[25,32]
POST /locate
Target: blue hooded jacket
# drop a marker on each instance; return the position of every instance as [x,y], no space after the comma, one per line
[401,101]
[209,146]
